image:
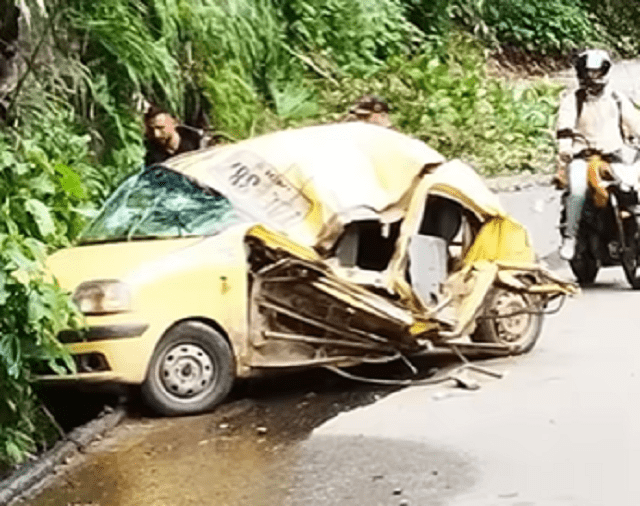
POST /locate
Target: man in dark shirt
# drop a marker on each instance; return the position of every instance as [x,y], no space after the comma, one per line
[165,138]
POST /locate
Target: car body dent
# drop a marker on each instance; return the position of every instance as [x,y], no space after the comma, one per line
[302,313]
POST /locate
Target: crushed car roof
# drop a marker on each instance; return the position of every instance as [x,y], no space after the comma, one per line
[303,181]
[305,176]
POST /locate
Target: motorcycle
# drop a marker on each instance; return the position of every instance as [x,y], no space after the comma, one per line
[609,228]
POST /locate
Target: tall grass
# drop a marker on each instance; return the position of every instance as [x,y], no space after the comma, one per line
[356,36]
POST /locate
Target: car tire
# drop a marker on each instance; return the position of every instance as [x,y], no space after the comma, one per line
[519,331]
[191,370]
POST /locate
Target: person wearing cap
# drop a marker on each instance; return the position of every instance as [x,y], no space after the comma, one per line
[371,109]
[593,116]
[166,138]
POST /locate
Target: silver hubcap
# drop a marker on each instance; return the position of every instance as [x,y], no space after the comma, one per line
[512,328]
[186,370]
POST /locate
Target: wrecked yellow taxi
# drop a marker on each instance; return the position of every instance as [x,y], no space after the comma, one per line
[331,245]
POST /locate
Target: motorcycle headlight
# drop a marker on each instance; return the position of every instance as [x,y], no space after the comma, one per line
[103,296]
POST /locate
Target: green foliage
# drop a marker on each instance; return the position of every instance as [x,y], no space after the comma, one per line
[619,23]
[44,170]
[41,195]
[357,36]
[255,53]
[249,73]
[46,185]
[237,106]
[75,110]
[540,26]
[123,48]
[431,17]
[452,105]
[32,312]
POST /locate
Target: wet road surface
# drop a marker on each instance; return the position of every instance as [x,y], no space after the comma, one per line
[559,429]
[253,451]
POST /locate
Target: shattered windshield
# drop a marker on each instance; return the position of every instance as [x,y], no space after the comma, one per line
[160,203]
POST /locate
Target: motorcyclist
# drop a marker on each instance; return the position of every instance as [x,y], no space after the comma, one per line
[604,120]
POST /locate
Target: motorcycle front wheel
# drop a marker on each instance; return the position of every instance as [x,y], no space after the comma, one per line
[584,267]
[630,252]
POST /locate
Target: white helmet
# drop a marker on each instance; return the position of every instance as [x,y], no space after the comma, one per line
[592,67]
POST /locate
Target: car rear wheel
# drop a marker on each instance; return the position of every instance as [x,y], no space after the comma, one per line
[510,318]
[191,370]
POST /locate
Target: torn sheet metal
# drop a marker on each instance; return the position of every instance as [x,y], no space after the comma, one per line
[303,314]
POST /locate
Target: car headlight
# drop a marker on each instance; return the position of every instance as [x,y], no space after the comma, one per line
[102,296]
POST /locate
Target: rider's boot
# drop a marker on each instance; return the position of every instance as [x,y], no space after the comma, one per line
[568,248]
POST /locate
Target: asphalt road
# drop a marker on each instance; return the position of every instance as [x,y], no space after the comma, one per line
[560,428]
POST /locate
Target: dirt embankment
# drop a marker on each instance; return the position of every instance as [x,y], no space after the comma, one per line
[516,64]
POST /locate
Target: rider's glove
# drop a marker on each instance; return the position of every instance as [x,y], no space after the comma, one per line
[560,179]
[564,158]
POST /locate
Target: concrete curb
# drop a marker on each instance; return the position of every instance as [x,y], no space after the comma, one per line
[30,474]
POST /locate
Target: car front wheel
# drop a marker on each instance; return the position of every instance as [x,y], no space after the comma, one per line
[191,370]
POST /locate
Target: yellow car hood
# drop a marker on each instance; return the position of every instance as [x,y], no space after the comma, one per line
[118,260]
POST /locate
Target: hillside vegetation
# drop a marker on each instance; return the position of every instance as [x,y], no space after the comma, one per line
[72,131]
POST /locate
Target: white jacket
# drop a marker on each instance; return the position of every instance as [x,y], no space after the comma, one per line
[607,121]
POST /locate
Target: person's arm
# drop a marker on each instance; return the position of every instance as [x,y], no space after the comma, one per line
[191,138]
[567,117]
[153,155]
[148,155]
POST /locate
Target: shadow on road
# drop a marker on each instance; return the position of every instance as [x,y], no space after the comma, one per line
[277,399]
[244,452]
[321,393]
